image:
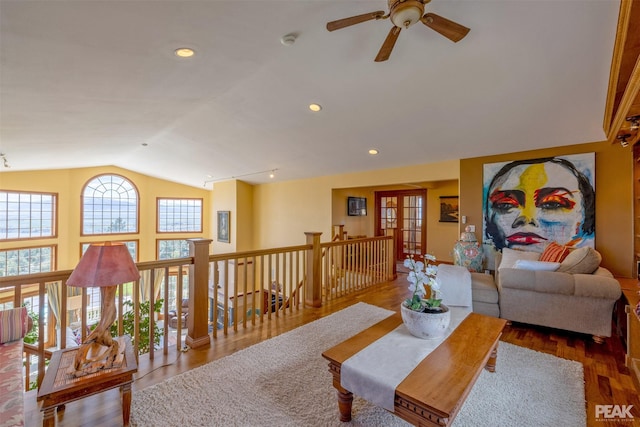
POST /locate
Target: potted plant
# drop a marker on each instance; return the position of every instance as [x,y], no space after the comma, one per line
[424,315]
[144,324]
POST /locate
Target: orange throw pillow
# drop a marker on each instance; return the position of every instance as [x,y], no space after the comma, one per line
[554,253]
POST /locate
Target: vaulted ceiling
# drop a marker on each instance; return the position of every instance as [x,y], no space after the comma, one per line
[90,83]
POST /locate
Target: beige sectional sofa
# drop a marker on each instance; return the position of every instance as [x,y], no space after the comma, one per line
[579,296]
[574,302]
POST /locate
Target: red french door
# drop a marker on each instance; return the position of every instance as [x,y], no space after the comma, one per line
[404,211]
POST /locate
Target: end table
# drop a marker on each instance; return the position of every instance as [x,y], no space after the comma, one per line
[60,387]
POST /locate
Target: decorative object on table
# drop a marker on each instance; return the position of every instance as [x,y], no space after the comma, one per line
[103,265]
[467,252]
[425,318]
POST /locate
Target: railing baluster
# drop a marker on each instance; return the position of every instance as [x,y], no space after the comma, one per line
[165,311]
[179,298]
[41,323]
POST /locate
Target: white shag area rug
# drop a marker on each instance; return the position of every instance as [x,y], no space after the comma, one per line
[284,381]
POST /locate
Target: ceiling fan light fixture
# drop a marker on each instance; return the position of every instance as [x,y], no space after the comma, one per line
[406,13]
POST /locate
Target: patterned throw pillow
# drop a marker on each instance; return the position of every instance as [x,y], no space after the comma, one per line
[554,253]
[13,324]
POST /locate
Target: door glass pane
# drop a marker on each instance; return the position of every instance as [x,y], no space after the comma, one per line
[389,212]
[412,224]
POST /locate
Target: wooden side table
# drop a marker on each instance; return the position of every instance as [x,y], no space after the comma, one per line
[60,387]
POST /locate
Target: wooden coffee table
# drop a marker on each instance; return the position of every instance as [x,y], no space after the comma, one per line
[59,387]
[436,389]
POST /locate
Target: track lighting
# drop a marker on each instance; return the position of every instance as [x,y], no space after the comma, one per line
[623,139]
[635,122]
[272,174]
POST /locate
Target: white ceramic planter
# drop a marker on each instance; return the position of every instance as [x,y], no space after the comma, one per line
[426,325]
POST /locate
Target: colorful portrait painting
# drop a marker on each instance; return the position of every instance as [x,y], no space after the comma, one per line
[529,203]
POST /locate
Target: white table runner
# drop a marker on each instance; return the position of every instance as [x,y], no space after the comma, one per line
[374,372]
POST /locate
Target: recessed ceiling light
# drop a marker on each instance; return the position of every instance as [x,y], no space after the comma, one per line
[184,52]
[373,151]
[315,107]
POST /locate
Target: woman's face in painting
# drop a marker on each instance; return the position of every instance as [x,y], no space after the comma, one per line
[533,204]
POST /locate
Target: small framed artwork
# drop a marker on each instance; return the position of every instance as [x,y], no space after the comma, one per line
[449,209]
[223,226]
[357,206]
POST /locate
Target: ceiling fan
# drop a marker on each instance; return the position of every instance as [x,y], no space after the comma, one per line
[403,14]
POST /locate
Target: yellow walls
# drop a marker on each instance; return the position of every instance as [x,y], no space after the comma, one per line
[237,198]
[285,210]
[441,236]
[353,225]
[68,183]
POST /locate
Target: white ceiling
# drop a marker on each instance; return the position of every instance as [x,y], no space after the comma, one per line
[86,83]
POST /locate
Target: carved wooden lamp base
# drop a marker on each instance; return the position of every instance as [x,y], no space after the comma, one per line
[100,351]
[103,265]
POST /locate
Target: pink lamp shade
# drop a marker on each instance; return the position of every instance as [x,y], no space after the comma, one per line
[104,264]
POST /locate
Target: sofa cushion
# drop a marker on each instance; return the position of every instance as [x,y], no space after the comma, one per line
[554,253]
[584,260]
[13,324]
[484,288]
[525,264]
[510,256]
[455,282]
[11,384]
[550,282]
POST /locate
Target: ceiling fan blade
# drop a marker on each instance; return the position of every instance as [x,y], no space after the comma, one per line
[387,46]
[346,22]
[451,30]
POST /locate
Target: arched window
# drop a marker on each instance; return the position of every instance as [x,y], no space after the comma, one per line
[109,206]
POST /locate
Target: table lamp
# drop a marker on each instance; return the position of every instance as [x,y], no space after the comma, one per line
[103,265]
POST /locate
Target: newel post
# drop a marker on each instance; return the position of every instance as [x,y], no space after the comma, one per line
[313,287]
[197,321]
[392,254]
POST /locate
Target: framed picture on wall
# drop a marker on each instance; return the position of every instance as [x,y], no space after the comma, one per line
[357,206]
[223,226]
[449,209]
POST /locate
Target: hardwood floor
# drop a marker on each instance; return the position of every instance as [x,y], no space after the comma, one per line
[607,380]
